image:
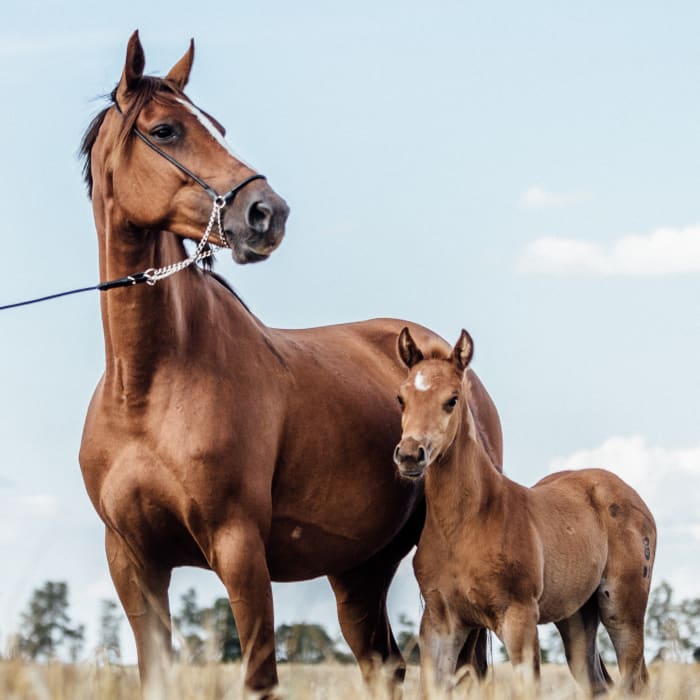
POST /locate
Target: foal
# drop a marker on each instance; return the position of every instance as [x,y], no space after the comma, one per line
[576,548]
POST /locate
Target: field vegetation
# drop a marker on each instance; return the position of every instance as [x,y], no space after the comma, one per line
[328,681]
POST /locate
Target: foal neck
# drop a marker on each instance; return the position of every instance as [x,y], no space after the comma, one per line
[463,481]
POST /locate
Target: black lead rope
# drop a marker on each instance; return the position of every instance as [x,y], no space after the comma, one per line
[129,281]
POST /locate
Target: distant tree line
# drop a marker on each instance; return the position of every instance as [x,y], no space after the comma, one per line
[209,634]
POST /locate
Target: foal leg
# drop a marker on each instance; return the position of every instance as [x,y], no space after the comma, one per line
[518,631]
[474,652]
[578,633]
[239,561]
[143,592]
[622,601]
[441,641]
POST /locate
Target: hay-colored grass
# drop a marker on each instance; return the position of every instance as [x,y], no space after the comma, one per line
[27,681]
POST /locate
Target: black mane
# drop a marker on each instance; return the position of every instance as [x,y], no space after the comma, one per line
[149,88]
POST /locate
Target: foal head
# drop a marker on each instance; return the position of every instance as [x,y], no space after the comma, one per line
[432,401]
[140,190]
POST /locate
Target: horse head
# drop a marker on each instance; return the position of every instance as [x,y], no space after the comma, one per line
[432,399]
[169,177]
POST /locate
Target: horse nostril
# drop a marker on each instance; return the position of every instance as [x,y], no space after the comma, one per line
[259,216]
[421,455]
[397,455]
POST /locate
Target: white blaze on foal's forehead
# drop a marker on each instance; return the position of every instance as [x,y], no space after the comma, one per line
[421,382]
[213,131]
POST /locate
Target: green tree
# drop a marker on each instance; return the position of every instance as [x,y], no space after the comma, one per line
[209,634]
[46,625]
[110,620]
[407,639]
[304,643]
[223,632]
[189,624]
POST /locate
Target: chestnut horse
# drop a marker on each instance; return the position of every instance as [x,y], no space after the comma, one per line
[576,548]
[212,440]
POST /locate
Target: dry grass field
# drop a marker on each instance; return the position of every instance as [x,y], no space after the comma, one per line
[23,681]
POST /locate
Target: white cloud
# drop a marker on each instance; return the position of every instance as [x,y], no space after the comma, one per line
[537,197]
[669,482]
[664,251]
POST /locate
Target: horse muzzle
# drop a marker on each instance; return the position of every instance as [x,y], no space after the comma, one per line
[255,226]
[412,456]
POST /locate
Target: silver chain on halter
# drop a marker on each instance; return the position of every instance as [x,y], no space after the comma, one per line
[154,275]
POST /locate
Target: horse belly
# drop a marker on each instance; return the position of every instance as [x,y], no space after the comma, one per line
[336,536]
[571,575]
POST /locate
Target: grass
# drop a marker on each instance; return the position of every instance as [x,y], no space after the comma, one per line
[56,681]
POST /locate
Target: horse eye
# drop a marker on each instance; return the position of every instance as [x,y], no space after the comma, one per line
[449,405]
[164,132]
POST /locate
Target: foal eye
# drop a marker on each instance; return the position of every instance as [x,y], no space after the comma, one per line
[164,132]
[449,405]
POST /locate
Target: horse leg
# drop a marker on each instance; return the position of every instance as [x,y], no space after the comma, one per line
[143,592]
[360,596]
[239,561]
[518,632]
[474,652]
[622,601]
[578,633]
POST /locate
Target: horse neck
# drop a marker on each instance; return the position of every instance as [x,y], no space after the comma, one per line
[463,481]
[145,326]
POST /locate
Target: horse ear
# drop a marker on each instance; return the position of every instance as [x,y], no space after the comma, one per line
[463,351]
[180,72]
[408,350]
[133,67]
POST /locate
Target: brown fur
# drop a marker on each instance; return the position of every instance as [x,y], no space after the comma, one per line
[576,548]
[214,441]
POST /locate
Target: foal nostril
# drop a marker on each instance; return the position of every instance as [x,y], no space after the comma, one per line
[259,216]
[420,457]
[397,455]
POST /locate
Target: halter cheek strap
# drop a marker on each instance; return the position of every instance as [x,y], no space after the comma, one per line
[222,199]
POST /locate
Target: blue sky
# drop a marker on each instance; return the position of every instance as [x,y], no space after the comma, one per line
[527,171]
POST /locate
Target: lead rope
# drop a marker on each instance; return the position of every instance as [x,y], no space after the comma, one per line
[152,275]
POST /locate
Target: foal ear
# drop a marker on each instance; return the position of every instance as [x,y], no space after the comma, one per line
[133,67]
[463,351]
[180,72]
[408,350]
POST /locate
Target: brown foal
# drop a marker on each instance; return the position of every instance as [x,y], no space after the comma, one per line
[213,440]
[575,549]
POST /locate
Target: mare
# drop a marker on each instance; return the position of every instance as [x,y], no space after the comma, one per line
[576,548]
[214,441]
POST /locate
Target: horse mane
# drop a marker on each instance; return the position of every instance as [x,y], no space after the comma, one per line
[149,88]
[227,285]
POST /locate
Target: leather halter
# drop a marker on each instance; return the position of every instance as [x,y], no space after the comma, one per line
[221,199]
